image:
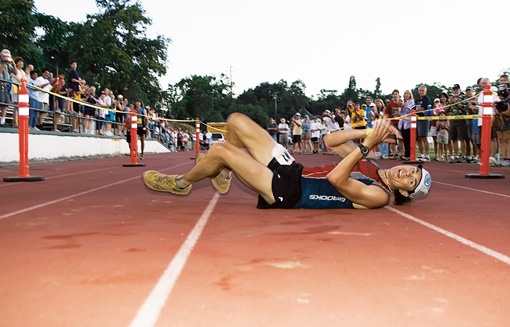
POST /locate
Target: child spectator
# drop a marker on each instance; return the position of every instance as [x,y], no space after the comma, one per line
[443,127]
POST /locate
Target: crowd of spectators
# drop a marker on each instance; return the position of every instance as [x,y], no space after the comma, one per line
[72,102]
[455,139]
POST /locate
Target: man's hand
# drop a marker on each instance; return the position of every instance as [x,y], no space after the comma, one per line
[382,129]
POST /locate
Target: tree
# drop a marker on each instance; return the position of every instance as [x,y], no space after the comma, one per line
[17,28]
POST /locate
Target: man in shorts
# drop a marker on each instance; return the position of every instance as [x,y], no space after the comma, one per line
[268,169]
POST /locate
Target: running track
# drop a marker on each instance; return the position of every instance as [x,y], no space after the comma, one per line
[89,246]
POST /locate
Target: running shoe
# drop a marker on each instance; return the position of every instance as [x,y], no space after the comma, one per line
[221,182]
[163,183]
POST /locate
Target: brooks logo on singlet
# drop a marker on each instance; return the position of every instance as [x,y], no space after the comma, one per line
[326,198]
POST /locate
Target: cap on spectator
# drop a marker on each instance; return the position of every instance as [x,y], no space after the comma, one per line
[436,100]
[138,100]
[327,111]
[120,96]
[469,88]
[373,105]
[298,114]
[6,53]
[147,107]
[456,86]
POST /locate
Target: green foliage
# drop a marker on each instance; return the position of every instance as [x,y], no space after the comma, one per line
[17,28]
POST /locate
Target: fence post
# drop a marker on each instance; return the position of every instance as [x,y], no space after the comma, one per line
[485,145]
[133,148]
[24,170]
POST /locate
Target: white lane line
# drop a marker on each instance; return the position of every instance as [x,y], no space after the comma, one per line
[149,312]
[499,256]
[14,213]
[473,189]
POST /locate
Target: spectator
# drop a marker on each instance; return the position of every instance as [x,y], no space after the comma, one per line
[33,101]
[272,128]
[44,82]
[339,117]
[109,116]
[442,136]
[306,136]
[329,121]
[433,125]
[315,129]
[470,146]
[208,138]
[58,102]
[6,68]
[141,124]
[369,117]
[458,132]
[392,111]
[297,130]
[423,109]
[383,146]
[101,113]
[89,111]
[17,76]
[120,112]
[494,142]
[74,83]
[283,133]
[404,126]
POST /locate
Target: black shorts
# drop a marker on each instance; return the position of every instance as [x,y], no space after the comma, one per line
[141,131]
[286,186]
[296,138]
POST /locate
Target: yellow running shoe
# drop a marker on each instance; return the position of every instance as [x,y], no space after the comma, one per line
[163,183]
[221,182]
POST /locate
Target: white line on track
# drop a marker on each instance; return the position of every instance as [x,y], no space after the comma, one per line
[14,213]
[501,257]
[473,189]
[149,312]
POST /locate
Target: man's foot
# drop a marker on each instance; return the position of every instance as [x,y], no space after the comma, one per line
[221,182]
[163,183]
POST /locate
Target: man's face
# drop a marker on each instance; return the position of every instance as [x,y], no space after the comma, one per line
[503,80]
[422,91]
[455,91]
[395,96]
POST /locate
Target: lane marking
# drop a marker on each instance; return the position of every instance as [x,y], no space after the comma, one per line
[473,189]
[149,312]
[14,213]
[498,256]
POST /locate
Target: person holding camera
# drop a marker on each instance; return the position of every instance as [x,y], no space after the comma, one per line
[6,69]
[502,116]
[494,141]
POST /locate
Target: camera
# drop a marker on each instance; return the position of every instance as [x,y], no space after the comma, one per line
[503,93]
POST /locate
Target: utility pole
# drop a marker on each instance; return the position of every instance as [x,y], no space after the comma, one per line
[274,95]
[231,92]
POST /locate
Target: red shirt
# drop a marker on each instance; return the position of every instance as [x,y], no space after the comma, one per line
[391,111]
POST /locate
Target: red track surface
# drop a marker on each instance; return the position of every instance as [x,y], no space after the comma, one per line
[87,246]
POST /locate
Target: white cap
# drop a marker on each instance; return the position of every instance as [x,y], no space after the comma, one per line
[6,53]
[423,186]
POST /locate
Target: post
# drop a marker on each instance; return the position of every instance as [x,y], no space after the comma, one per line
[24,170]
[413,139]
[485,146]
[197,136]
[134,142]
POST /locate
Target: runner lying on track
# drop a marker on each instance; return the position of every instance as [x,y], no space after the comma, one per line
[268,169]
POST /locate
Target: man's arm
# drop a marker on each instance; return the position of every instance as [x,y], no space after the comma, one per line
[362,195]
